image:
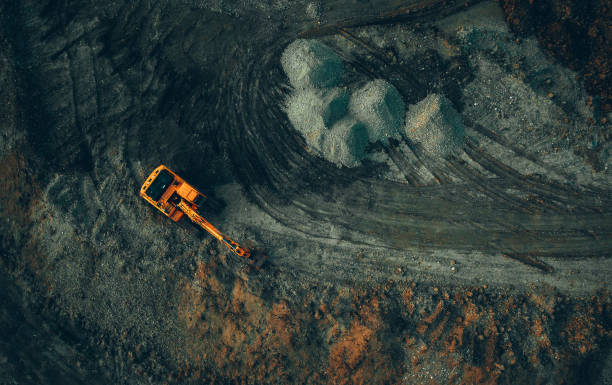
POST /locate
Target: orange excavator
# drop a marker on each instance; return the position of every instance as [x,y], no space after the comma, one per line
[174,197]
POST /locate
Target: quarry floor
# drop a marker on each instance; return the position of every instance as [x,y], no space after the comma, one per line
[490,266]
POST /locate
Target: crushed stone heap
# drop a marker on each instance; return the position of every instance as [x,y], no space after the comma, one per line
[381,108]
[320,116]
[334,125]
[435,125]
[311,64]
[313,111]
[345,143]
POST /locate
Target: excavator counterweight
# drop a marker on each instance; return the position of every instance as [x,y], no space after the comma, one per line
[174,197]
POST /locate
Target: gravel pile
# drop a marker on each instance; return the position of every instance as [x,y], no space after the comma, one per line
[381,108]
[434,124]
[334,107]
[311,64]
[346,142]
[304,109]
[314,111]
[334,125]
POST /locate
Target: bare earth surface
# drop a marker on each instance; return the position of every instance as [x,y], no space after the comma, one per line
[490,265]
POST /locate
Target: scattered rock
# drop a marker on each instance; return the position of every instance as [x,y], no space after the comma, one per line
[435,125]
[311,64]
[381,108]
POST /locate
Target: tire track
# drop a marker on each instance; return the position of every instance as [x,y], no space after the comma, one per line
[307,194]
[466,211]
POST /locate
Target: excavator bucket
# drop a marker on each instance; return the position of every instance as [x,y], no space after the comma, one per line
[258,255]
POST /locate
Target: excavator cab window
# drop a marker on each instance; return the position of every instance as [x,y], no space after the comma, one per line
[159,185]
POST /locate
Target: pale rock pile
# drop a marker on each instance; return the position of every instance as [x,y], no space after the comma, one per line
[315,110]
[311,64]
[435,125]
[334,125]
[346,142]
[381,108]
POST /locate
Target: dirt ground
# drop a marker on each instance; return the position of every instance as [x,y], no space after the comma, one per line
[489,266]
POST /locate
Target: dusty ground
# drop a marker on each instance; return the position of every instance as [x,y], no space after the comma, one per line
[488,267]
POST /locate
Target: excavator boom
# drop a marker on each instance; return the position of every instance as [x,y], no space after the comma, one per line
[203,223]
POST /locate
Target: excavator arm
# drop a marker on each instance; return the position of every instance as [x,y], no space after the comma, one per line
[203,223]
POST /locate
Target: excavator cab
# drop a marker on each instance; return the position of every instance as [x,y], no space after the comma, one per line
[174,197]
[164,190]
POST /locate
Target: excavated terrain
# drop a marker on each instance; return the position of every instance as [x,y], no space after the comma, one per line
[488,265]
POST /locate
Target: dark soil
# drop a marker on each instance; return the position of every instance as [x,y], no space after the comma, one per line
[471,269]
